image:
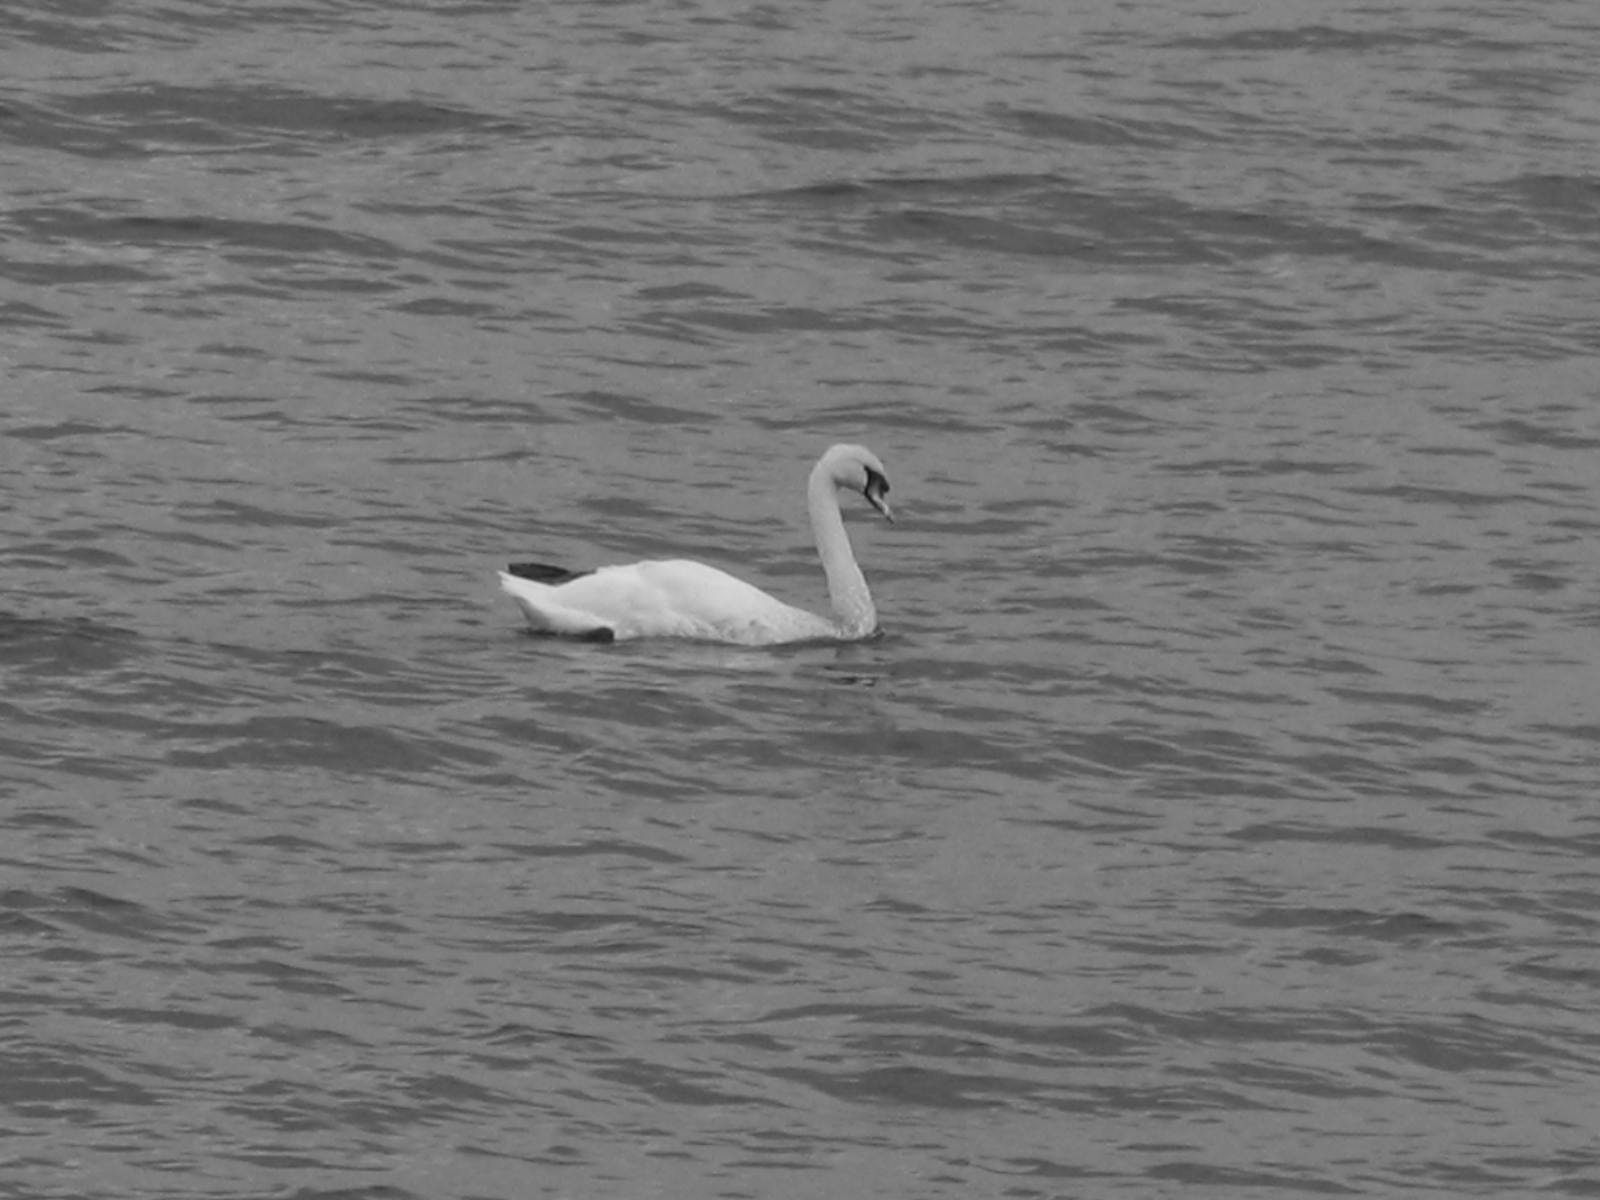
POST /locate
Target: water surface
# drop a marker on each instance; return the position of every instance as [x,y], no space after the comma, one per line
[1214,814]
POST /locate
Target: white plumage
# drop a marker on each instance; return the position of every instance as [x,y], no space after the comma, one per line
[684,599]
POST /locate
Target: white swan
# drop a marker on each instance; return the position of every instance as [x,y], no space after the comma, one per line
[691,600]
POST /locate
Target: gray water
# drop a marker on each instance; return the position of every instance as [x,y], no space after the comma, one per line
[1215,815]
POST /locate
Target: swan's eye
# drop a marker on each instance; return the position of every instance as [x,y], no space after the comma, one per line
[877,485]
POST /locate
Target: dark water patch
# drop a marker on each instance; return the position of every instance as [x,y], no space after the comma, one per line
[87,911]
[375,1191]
[1082,129]
[909,1086]
[923,189]
[157,118]
[442,306]
[943,746]
[1460,706]
[1200,1174]
[1383,927]
[639,777]
[1520,431]
[971,232]
[1134,752]
[58,225]
[45,127]
[50,271]
[1294,1080]
[1583,731]
[1357,835]
[78,26]
[1230,1025]
[16,314]
[1572,199]
[521,1036]
[573,932]
[239,513]
[293,742]
[747,322]
[175,1018]
[664,1084]
[1097,228]
[1409,733]
[276,975]
[828,418]
[1134,417]
[1316,37]
[68,429]
[637,238]
[1547,971]
[830,120]
[1466,1044]
[617,406]
[1547,845]
[64,647]
[963,1035]
[1211,554]
[17,926]
[250,235]
[354,286]
[1050,216]
[290,845]
[1268,466]
[603,848]
[565,746]
[495,411]
[690,290]
[38,1085]
[72,760]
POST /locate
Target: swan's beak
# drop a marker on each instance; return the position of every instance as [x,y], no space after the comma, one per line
[877,493]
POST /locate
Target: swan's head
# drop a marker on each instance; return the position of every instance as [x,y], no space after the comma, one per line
[857,469]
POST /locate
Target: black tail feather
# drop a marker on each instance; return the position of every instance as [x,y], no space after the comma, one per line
[544,573]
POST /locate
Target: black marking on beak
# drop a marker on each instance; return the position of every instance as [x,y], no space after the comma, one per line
[877,488]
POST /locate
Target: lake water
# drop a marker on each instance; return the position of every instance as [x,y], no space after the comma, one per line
[1215,816]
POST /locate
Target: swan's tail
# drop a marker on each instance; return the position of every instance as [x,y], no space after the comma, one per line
[545,614]
[545,573]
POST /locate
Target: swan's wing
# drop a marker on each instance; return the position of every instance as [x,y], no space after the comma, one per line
[679,598]
[707,595]
[676,598]
[542,605]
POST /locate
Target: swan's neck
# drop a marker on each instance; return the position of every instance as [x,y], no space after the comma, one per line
[847,586]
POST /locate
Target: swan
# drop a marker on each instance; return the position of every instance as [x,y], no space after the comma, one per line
[682,599]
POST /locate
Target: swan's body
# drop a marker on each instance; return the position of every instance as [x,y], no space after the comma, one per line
[683,599]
